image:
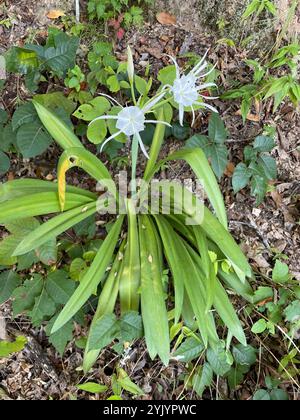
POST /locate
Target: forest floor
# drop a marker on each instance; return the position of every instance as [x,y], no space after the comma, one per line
[38,372]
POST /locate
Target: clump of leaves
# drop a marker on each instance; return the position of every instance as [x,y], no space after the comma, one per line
[258,170]
[272,393]
[266,84]
[257,7]
[54,58]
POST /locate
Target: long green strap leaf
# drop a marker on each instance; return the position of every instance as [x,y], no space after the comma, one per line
[131,275]
[24,187]
[38,205]
[106,305]
[154,311]
[57,129]
[81,158]
[197,160]
[55,227]
[92,278]
[177,254]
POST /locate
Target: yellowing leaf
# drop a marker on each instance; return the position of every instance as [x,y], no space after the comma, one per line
[55,14]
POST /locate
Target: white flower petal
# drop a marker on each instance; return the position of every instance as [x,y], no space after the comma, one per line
[109,139]
[158,122]
[181,114]
[202,64]
[111,99]
[104,117]
[150,104]
[142,146]
[176,65]
[207,106]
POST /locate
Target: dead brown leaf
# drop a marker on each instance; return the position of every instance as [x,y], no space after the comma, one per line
[250,117]
[166,18]
[55,14]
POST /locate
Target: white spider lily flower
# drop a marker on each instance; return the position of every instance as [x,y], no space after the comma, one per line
[186,90]
[131,121]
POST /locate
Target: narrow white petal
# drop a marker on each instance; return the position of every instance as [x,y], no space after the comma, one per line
[200,64]
[111,99]
[104,117]
[150,104]
[109,139]
[209,98]
[142,146]
[176,65]
[207,106]
[206,74]
[157,122]
[206,86]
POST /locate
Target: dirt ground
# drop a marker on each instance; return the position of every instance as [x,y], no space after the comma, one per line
[38,372]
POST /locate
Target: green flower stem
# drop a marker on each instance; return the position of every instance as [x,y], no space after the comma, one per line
[134,158]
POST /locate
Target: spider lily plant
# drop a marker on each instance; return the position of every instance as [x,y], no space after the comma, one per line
[128,268]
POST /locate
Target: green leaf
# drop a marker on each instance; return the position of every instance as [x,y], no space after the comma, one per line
[113,84]
[104,331]
[95,108]
[32,139]
[258,188]
[218,360]
[259,327]
[190,350]
[131,327]
[269,166]
[202,378]
[9,280]
[154,311]
[4,163]
[280,272]
[244,355]
[97,132]
[264,144]
[24,296]
[8,347]
[59,287]
[60,338]
[92,388]
[92,278]
[241,177]
[216,129]
[127,384]
[167,75]
[25,114]
[292,312]
[279,395]
[262,395]
[43,308]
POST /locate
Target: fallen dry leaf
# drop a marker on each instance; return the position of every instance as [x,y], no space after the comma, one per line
[166,19]
[55,14]
[250,117]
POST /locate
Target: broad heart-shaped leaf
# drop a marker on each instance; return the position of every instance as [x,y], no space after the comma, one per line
[269,166]
[216,129]
[4,163]
[57,129]
[92,278]
[280,273]
[241,177]
[97,131]
[190,350]
[37,205]
[55,227]
[154,311]
[199,164]
[217,358]
[59,287]
[25,114]
[95,108]
[61,56]
[32,139]
[61,338]
[216,152]
[8,138]
[264,144]
[24,296]
[43,308]
[54,101]
[24,187]
[105,329]
[9,280]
